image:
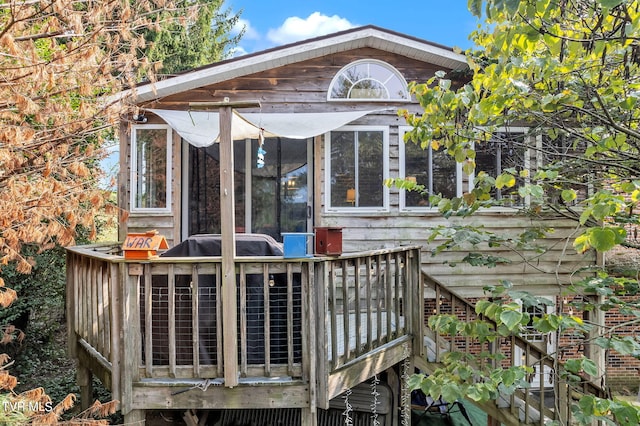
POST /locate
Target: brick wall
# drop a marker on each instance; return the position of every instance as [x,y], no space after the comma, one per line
[623,372]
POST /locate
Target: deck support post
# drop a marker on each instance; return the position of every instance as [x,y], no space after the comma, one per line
[393,380]
[308,417]
[593,351]
[563,405]
[492,422]
[135,418]
[85,381]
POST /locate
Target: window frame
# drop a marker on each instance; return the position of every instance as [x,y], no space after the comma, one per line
[530,138]
[133,171]
[385,171]
[394,73]
[402,130]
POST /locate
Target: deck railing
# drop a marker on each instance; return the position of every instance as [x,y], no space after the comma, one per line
[547,398]
[297,318]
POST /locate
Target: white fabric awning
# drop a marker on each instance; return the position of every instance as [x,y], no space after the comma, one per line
[202,128]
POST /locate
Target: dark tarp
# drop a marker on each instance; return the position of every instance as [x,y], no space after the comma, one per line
[210,245]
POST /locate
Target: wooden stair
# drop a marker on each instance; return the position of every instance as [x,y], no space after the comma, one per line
[536,405]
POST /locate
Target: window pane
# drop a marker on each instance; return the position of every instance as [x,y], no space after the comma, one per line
[504,151]
[416,166]
[370,169]
[444,174]
[397,89]
[340,89]
[279,188]
[264,187]
[343,169]
[435,170]
[368,80]
[151,168]
[357,169]
[204,188]
[368,89]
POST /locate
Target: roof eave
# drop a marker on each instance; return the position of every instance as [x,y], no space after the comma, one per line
[297,52]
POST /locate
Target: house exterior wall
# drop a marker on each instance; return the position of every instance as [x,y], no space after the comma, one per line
[302,87]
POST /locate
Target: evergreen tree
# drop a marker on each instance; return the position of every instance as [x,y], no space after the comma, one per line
[188,42]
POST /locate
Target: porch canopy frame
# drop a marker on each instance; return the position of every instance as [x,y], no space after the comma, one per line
[208,122]
[202,128]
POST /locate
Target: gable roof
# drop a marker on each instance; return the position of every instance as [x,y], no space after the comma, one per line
[356,38]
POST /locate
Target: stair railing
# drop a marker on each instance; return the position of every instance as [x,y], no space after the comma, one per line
[549,398]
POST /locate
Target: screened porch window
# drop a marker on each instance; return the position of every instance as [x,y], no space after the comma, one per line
[436,171]
[151,168]
[357,166]
[368,79]
[271,199]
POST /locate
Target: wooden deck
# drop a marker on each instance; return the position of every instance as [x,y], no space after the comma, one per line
[307,329]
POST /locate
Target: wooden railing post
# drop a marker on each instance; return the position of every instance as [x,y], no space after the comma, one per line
[72,304]
[115,280]
[321,305]
[309,415]
[131,351]
[416,294]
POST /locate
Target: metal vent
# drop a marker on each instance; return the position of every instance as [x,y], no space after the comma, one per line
[360,400]
[291,417]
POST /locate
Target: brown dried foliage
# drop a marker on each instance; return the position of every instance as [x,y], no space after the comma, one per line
[59,62]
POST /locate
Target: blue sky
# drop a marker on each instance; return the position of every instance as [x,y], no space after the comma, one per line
[270,23]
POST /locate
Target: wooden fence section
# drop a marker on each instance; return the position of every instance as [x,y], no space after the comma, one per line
[311,320]
[546,399]
[182,325]
[94,312]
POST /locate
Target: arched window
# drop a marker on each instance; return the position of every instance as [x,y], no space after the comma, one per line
[368,79]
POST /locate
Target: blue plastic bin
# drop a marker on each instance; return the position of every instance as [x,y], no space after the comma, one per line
[295,244]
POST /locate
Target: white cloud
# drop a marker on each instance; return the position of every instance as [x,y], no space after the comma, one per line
[250,33]
[316,24]
[237,51]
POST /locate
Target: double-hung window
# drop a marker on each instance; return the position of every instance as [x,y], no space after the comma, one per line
[356,162]
[436,171]
[151,168]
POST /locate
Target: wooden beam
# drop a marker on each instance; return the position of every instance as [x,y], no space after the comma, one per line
[227,225]
[225,103]
[228,250]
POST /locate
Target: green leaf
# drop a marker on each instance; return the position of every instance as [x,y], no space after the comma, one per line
[511,318]
[547,323]
[602,239]
[509,377]
[482,305]
[581,243]
[512,6]
[610,4]
[626,414]
[505,180]
[568,195]
[445,84]
[451,392]
[590,367]
[624,346]
[573,365]
[475,7]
